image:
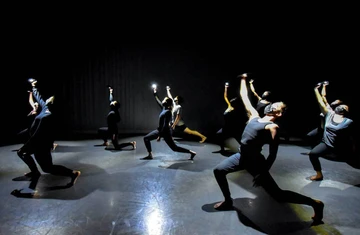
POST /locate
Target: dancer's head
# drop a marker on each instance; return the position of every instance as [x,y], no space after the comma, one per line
[167,103]
[275,109]
[114,105]
[335,103]
[178,100]
[266,95]
[342,109]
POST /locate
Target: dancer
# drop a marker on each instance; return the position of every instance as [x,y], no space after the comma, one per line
[163,131]
[338,142]
[258,132]
[314,136]
[24,134]
[177,123]
[41,142]
[263,100]
[111,130]
[231,127]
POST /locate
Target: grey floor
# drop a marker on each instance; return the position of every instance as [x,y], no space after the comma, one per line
[119,194]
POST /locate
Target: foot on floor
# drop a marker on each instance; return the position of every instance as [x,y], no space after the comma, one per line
[224,206]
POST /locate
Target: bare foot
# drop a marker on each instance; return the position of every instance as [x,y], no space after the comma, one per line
[203,139]
[316,178]
[192,155]
[224,205]
[134,144]
[54,146]
[318,209]
[74,177]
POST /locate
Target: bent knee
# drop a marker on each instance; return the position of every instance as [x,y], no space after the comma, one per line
[219,171]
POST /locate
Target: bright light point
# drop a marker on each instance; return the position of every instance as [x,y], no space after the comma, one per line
[155,222]
[154,86]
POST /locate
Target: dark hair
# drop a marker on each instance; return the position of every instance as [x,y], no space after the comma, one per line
[115,106]
[275,107]
[268,109]
[267,95]
[342,109]
[335,103]
[167,102]
[180,99]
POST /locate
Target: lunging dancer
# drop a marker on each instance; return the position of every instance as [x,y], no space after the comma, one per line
[259,131]
[163,131]
[111,130]
[232,121]
[177,123]
[41,142]
[338,140]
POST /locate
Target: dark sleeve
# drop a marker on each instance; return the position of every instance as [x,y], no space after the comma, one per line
[165,123]
[38,97]
[158,101]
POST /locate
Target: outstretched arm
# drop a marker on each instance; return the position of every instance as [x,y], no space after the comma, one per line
[169,95]
[158,101]
[111,96]
[320,100]
[252,88]
[37,95]
[229,108]
[251,111]
[323,94]
[33,104]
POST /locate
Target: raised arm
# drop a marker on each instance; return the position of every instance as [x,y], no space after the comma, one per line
[111,96]
[252,88]
[169,95]
[320,100]
[33,104]
[158,101]
[250,110]
[37,95]
[229,108]
[323,93]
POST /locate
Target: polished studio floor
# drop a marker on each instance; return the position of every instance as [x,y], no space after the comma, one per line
[117,193]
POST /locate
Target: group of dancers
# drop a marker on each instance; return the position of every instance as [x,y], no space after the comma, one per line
[260,128]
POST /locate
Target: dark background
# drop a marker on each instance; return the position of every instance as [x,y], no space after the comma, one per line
[76,60]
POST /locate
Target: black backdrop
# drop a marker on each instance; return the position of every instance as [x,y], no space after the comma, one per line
[77,67]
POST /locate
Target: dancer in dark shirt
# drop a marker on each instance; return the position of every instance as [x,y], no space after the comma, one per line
[111,130]
[259,131]
[163,131]
[233,126]
[314,136]
[41,142]
[338,141]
